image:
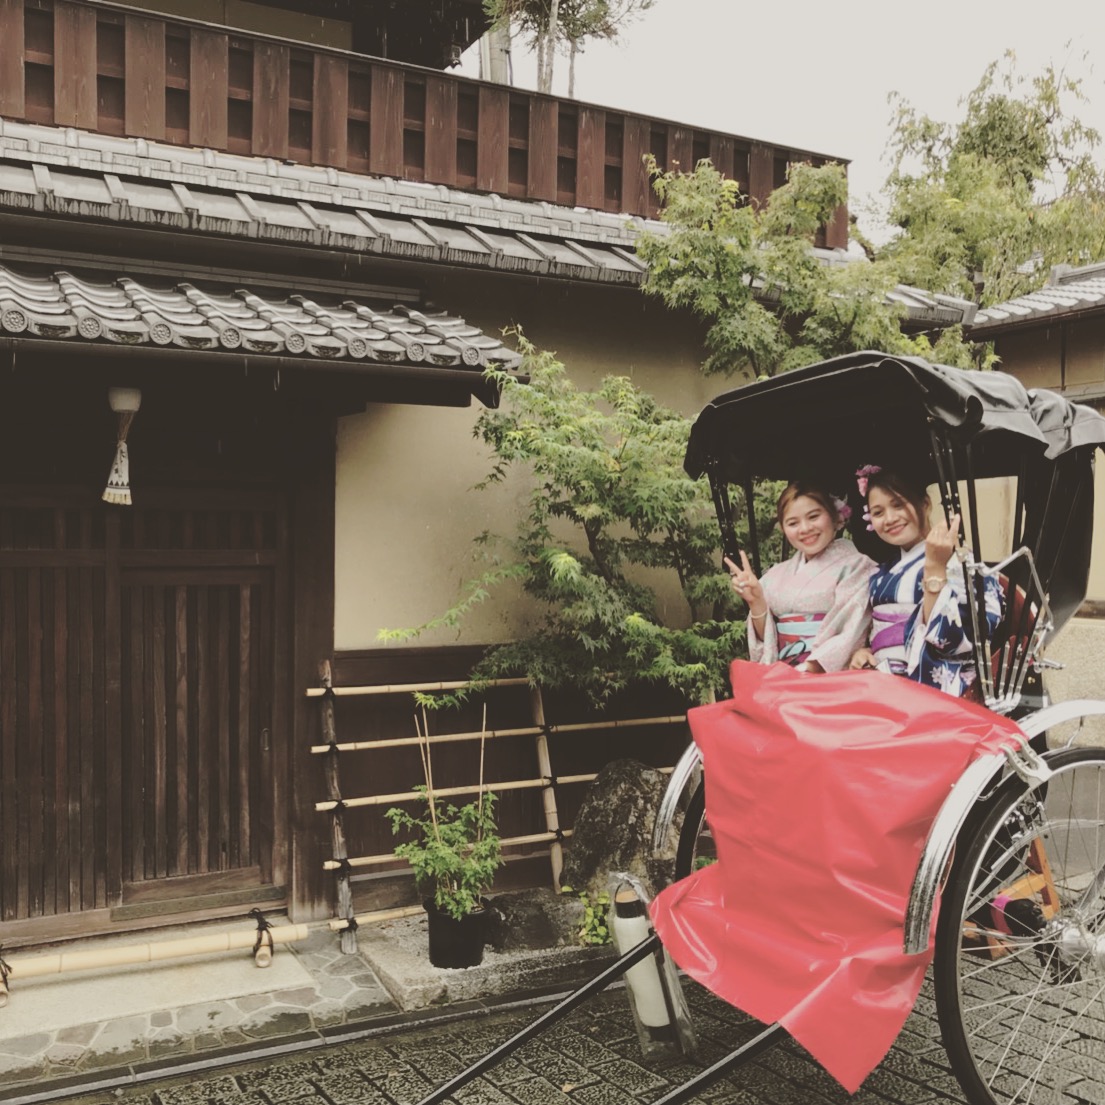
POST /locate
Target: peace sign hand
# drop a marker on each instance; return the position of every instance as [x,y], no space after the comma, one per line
[747,586]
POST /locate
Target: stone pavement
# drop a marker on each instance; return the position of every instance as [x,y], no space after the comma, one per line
[59,1033]
[591,1058]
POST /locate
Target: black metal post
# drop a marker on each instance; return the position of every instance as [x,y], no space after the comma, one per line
[644,949]
[723,507]
[750,511]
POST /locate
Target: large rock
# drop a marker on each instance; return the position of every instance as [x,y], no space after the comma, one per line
[613,830]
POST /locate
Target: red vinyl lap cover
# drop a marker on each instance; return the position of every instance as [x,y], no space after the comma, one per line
[820,793]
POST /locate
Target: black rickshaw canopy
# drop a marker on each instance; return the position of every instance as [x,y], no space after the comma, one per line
[871,407]
[939,425]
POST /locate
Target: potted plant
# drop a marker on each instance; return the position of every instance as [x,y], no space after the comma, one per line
[454,852]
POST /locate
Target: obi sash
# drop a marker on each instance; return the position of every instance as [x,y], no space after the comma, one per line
[889,628]
[795,632]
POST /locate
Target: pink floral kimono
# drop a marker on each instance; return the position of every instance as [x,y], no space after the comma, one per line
[820,608]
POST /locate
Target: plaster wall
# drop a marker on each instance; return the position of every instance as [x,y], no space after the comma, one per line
[1080,647]
[406,511]
[1074,354]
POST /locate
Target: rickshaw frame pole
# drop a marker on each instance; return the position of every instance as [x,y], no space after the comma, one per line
[616,969]
[769,1037]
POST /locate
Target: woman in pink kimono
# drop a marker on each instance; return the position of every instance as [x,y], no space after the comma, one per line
[811,611]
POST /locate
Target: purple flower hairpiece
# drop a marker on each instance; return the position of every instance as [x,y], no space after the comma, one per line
[843,510]
[862,474]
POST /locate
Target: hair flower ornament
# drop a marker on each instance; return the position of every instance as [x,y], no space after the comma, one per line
[863,474]
[843,510]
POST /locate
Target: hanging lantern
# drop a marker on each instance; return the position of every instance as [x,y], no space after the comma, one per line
[125,402]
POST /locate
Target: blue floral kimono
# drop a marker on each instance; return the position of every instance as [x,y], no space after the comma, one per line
[938,652]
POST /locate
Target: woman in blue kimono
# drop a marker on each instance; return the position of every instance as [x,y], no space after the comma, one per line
[920,617]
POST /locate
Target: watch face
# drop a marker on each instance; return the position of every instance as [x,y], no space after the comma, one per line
[934,586]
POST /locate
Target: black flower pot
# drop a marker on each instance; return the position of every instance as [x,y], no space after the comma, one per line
[456,943]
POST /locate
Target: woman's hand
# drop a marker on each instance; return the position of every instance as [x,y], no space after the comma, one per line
[941,541]
[747,586]
[862,658]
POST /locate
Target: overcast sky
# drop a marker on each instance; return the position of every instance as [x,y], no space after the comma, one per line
[816,75]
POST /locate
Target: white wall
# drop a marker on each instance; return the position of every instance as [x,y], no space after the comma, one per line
[406,511]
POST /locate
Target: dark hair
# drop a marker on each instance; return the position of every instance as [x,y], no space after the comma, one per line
[798,488]
[905,488]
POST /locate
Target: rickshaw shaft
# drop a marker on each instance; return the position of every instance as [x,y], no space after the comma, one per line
[599,982]
[769,1037]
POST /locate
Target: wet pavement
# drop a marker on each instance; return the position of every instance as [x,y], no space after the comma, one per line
[590,1058]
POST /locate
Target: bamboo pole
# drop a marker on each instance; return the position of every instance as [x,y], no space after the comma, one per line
[390,857]
[448,792]
[548,793]
[523,731]
[400,688]
[337,829]
[377,917]
[39,965]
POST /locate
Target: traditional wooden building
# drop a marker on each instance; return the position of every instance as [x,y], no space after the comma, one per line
[290,231]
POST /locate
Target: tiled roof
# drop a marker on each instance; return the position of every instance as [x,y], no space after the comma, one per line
[64,171]
[1067,290]
[136,182]
[60,305]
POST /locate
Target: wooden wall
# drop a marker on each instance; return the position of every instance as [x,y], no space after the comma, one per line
[67,63]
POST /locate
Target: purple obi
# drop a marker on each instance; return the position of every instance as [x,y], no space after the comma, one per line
[888,630]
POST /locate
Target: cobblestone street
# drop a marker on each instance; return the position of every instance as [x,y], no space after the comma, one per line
[591,1058]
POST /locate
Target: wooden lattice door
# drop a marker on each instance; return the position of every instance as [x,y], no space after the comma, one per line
[139,742]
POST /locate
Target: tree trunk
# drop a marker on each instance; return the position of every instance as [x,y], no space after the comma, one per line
[551,28]
[572,68]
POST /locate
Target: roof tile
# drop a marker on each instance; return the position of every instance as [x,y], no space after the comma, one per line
[123,310]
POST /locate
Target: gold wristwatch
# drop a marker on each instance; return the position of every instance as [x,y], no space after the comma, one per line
[934,584]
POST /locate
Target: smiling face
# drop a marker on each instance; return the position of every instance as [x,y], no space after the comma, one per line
[808,526]
[895,519]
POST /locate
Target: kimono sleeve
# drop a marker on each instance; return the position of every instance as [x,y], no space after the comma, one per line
[947,633]
[847,622]
[763,641]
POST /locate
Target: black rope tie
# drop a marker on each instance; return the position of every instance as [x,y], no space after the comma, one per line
[339,807]
[334,750]
[5,970]
[552,783]
[264,931]
[558,835]
[351,924]
[328,692]
[344,869]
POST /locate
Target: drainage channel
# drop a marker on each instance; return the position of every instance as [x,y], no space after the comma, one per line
[116,1081]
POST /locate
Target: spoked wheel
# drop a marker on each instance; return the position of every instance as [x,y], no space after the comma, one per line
[1020,945]
[696,845]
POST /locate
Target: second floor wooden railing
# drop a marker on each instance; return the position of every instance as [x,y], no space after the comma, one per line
[105,68]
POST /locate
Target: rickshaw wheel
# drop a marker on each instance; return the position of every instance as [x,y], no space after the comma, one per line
[696,844]
[1020,944]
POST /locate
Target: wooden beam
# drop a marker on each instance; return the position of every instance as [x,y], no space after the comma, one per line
[543,138]
[208,81]
[680,150]
[330,122]
[271,64]
[492,134]
[721,154]
[591,158]
[385,152]
[636,186]
[441,130]
[761,173]
[75,66]
[144,89]
[12,102]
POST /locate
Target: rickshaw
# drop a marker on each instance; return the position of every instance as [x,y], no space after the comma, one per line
[1015,852]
